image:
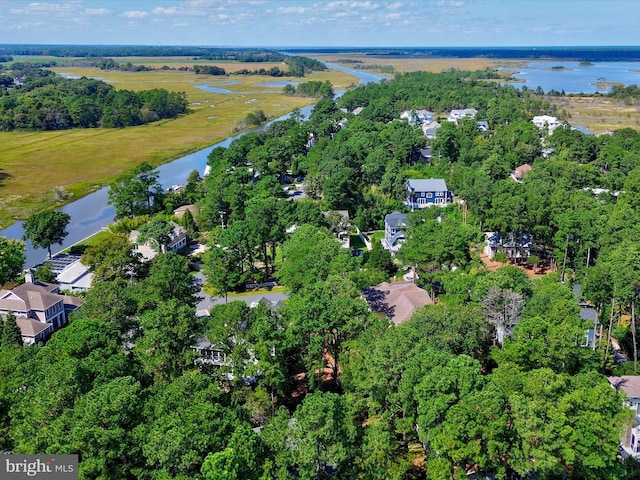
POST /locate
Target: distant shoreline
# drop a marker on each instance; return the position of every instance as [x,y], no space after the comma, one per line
[581,54]
[609,53]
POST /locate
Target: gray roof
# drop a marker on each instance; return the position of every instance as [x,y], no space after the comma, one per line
[396,219]
[30,327]
[427,185]
[588,313]
[37,296]
[629,384]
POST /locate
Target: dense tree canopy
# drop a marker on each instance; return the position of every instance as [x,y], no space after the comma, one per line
[45,101]
[499,377]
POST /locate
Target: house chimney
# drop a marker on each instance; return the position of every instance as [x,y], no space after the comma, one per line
[28,276]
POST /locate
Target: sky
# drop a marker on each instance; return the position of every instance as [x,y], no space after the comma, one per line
[316,23]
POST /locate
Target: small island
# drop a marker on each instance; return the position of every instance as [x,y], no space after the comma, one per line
[586,64]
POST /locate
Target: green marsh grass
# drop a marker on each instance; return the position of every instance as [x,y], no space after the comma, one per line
[34,164]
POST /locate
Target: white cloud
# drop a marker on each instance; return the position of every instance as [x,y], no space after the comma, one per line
[96,12]
[291,11]
[27,26]
[134,14]
[171,11]
[347,5]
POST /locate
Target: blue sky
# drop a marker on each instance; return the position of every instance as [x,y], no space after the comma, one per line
[360,23]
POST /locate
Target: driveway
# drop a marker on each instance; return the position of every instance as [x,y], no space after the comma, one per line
[207,301]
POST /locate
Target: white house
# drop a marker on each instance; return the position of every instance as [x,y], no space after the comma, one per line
[459,114]
[71,274]
[417,117]
[177,241]
[430,129]
[546,121]
[630,386]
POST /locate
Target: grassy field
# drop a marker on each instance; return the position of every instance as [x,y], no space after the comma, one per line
[600,114]
[35,165]
[425,64]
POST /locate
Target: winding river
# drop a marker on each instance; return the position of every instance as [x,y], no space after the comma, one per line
[91,213]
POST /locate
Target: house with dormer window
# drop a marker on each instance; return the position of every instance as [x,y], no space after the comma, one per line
[39,308]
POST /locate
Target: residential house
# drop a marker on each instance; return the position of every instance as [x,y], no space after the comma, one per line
[75,277]
[425,154]
[215,355]
[587,314]
[417,117]
[32,331]
[516,246]
[40,302]
[427,192]
[630,386]
[520,172]
[209,354]
[71,274]
[483,125]
[340,224]
[180,211]
[358,110]
[397,300]
[430,129]
[271,304]
[459,114]
[546,121]
[395,225]
[548,151]
[177,241]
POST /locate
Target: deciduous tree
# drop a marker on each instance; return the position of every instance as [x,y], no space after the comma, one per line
[46,228]
[11,259]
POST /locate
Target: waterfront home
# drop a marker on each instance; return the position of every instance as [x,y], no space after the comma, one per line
[39,308]
[177,241]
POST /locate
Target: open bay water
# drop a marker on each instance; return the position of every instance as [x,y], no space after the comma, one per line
[575,77]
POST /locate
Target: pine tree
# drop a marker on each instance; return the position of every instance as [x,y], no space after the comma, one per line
[11,335]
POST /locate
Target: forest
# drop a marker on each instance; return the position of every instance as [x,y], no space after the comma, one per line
[32,98]
[322,387]
[92,51]
[296,66]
